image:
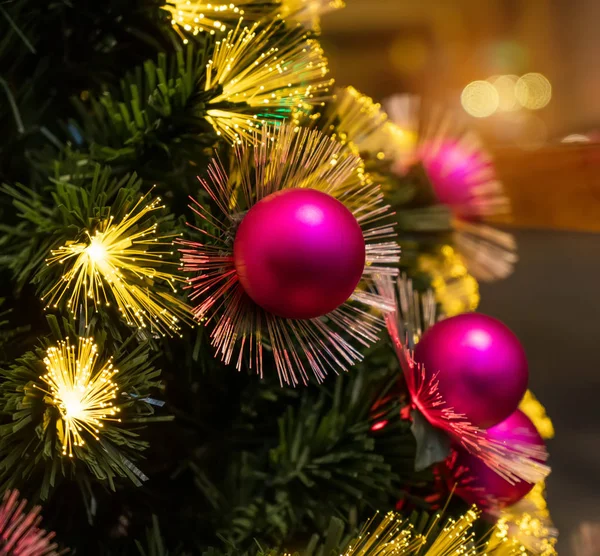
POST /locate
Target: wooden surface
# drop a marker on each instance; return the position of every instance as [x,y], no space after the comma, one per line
[555,187]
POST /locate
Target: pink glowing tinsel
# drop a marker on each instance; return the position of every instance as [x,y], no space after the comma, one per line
[276,160]
[462,176]
[19,531]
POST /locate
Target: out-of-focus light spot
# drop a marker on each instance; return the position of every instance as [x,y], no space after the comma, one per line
[505,87]
[480,99]
[379,425]
[409,55]
[576,138]
[533,91]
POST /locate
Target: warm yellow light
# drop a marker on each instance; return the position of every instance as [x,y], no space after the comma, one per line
[533,91]
[82,390]
[258,80]
[576,138]
[96,250]
[121,262]
[505,87]
[480,99]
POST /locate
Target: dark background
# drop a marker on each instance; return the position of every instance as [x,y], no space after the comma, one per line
[552,304]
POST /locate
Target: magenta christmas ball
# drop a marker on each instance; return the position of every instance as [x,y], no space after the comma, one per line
[299,253]
[480,365]
[476,483]
[455,172]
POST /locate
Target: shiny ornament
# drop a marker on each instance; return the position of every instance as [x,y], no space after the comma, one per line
[476,483]
[513,462]
[299,253]
[462,175]
[456,173]
[301,231]
[479,364]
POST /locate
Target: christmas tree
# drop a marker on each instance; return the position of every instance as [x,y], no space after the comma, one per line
[237,299]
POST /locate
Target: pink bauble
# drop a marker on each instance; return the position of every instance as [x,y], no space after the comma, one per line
[455,171]
[299,253]
[480,365]
[476,483]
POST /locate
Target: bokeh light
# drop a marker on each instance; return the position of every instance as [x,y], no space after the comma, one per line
[533,91]
[507,98]
[576,138]
[480,99]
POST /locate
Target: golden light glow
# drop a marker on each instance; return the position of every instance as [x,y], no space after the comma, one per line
[533,91]
[537,413]
[394,537]
[269,73]
[480,99]
[199,17]
[525,528]
[356,118]
[308,12]
[391,536]
[456,537]
[120,263]
[194,16]
[81,389]
[455,289]
[505,87]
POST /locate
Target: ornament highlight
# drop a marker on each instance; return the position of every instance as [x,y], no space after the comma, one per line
[121,262]
[476,483]
[81,389]
[299,253]
[479,366]
[305,166]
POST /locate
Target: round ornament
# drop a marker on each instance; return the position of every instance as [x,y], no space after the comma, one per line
[455,173]
[476,483]
[479,366]
[299,253]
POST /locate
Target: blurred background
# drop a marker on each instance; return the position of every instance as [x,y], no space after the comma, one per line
[525,74]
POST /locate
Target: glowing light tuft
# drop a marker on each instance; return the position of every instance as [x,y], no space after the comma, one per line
[81,389]
[196,16]
[266,75]
[120,262]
